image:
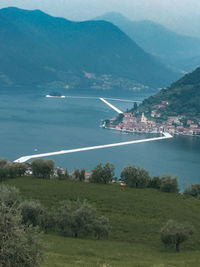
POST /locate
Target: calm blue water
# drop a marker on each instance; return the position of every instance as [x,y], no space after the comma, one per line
[34,122]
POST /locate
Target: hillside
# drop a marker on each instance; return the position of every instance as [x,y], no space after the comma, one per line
[183,97]
[38,49]
[176,50]
[136,216]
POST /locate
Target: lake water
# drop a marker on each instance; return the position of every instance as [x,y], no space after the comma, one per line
[33,122]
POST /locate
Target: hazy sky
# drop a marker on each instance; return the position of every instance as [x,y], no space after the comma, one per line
[180,15]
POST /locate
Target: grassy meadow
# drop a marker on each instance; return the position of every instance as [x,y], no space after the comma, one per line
[136,217]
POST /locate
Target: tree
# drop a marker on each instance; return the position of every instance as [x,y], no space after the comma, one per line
[76,174]
[155,182]
[79,175]
[101,227]
[169,184]
[63,218]
[174,233]
[60,173]
[80,218]
[43,168]
[4,172]
[143,178]
[20,245]
[3,162]
[20,169]
[10,169]
[82,175]
[135,106]
[66,174]
[130,176]
[9,196]
[83,218]
[193,190]
[135,177]
[32,213]
[103,174]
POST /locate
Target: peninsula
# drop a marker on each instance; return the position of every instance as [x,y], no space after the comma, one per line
[174,110]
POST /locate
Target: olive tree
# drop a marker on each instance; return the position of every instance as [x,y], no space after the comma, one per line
[10,169]
[4,172]
[66,174]
[79,218]
[83,218]
[193,190]
[101,227]
[103,174]
[63,218]
[9,196]
[169,184]
[60,173]
[155,182]
[20,244]
[43,168]
[174,233]
[135,177]
[32,213]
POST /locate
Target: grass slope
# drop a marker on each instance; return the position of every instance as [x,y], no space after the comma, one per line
[136,216]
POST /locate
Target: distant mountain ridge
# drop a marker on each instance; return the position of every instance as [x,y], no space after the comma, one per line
[179,51]
[38,49]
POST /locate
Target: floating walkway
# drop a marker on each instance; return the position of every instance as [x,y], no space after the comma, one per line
[110,105]
[27,158]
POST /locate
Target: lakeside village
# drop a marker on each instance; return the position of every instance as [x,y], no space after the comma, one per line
[139,123]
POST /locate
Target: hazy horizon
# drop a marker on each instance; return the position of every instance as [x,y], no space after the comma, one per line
[180,16]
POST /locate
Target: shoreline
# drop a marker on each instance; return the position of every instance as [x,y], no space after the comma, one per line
[147,132]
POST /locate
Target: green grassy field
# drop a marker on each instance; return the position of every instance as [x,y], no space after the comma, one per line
[136,216]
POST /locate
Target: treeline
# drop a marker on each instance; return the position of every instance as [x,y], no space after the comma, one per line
[11,169]
[131,176]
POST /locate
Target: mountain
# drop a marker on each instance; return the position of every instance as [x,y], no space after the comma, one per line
[176,50]
[183,97]
[38,49]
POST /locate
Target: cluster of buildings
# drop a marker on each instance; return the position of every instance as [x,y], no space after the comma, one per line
[142,124]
